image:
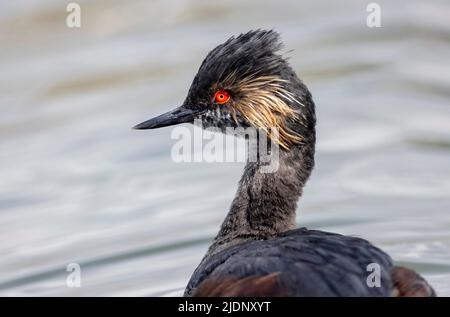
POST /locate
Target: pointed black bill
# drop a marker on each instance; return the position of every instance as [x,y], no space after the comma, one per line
[176,116]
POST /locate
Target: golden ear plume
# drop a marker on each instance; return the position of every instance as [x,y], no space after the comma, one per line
[264,103]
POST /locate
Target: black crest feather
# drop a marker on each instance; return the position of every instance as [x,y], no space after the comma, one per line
[254,52]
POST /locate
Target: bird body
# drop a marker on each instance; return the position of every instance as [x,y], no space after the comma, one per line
[244,83]
[304,262]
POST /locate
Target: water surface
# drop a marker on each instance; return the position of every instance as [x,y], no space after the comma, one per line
[78,185]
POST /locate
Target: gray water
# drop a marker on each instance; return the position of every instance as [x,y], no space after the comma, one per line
[78,185]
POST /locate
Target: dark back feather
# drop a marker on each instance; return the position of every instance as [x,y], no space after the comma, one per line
[300,262]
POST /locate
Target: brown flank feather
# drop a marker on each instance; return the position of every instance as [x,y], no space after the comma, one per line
[251,286]
[407,283]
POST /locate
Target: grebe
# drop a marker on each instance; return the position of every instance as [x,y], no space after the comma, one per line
[244,82]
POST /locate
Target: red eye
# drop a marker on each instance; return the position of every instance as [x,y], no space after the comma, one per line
[221,96]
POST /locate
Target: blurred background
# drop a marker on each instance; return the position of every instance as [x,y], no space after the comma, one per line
[78,185]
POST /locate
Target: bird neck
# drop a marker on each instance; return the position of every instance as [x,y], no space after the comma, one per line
[265,203]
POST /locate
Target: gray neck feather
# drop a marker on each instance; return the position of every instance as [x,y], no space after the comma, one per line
[265,203]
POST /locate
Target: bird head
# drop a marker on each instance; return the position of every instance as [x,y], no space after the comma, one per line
[243,83]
